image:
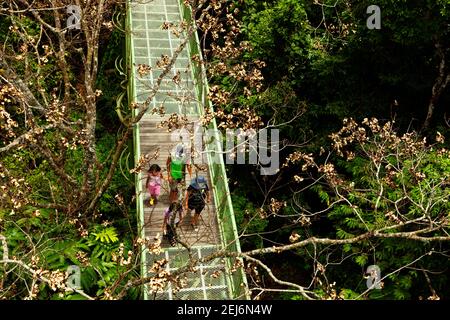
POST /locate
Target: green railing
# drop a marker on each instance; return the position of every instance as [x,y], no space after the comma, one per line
[224,207]
[136,136]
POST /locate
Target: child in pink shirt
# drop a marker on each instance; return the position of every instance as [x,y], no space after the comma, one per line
[153,183]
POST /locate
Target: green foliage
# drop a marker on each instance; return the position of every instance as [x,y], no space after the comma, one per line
[59,255]
[106,235]
[325,59]
[348,294]
[248,220]
[122,182]
[103,242]
[53,239]
[421,175]
[110,82]
[99,256]
[280,34]
[340,68]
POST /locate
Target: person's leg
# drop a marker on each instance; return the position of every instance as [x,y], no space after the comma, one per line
[156,192]
[149,189]
[195,221]
[171,235]
[173,190]
[152,191]
[178,190]
[197,213]
[190,208]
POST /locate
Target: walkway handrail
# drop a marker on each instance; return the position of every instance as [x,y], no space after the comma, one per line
[136,137]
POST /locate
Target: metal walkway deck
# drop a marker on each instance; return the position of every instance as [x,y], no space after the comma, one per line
[147,42]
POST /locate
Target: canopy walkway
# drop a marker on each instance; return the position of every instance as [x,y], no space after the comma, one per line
[147,41]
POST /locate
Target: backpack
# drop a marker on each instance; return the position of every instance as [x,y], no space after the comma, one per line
[198,193]
[198,196]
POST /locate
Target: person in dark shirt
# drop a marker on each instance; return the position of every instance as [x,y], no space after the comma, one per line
[197,195]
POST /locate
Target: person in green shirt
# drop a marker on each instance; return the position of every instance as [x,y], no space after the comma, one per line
[176,169]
